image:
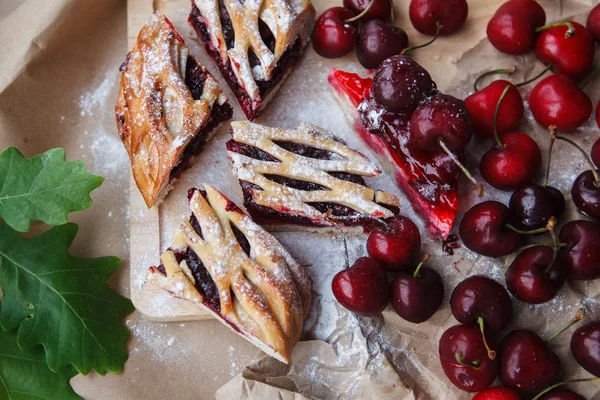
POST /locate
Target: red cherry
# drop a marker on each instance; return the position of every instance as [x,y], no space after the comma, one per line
[332,36]
[427,15]
[585,346]
[380,10]
[497,393]
[557,100]
[598,114]
[570,55]
[593,23]
[595,153]
[512,28]
[362,288]
[378,41]
[482,106]
[512,163]
[561,394]
[582,252]
[396,248]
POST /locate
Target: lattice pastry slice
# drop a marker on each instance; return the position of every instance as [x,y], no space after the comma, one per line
[238,272]
[255,43]
[305,176]
[169,105]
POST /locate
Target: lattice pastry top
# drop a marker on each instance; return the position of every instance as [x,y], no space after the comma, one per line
[288,20]
[157,115]
[262,292]
[323,178]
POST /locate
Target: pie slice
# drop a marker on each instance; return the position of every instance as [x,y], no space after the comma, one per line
[430,179]
[168,107]
[239,273]
[305,176]
[255,43]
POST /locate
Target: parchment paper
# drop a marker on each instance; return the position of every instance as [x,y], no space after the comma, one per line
[58,79]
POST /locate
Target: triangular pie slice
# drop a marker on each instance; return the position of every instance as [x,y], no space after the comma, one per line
[430,179]
[255,43]
[168,107]
[305,177]
[235,270]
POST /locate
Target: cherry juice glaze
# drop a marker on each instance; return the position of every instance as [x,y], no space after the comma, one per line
[429,178]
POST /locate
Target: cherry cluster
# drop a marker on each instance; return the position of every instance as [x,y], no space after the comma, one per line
[337,30]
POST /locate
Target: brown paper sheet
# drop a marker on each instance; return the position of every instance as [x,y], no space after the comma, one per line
[58,82]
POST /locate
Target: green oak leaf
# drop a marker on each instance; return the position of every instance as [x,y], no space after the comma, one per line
[25,375]
[44,188]
[62,301]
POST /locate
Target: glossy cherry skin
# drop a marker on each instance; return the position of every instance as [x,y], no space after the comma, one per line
[397,248]
[478,296]
[416,299]
[512,28]
[595,153]
[332,36]
[425,14]
[497,393]
[586,194]
[378,41]
[526,363]
[482,230]
[441,117]
[527,279]
[585,346]
[531,206]
[400,84]
[468,341]
[572,56]
[482,106]
[593,23]
[582,252]
[514,165]
[381,9]
[556,100]
[561,394]
[362,288]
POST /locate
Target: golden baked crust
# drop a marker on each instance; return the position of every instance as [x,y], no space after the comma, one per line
[157,116]
[264,295]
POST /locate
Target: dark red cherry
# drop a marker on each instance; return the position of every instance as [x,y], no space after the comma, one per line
[557,100]
[464,358]
[533,277]
[531,206]
[593,23]
[426,15]
[362,288]
[561,394]
[585,346]
[512,28]
[378,41]
[595,153]
[381,9]
[570,55]
[497,393]
[397,247]
[332,36]
[513,163]
[400,84]
[527,365]
[417,295]
[582,252]
[586,194]
[482,106]
[483,230]
[441,117]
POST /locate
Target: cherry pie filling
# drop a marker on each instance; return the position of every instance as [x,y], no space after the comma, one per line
[286,62]
[429,178]
[345,215]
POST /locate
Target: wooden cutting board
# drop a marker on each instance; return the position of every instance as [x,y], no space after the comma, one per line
[147,226]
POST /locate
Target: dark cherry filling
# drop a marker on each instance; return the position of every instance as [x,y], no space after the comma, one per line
[287,61]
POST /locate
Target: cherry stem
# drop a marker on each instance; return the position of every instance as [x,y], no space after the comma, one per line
[552,140]
[425,258]
[552,387]
[535,78]
[550,226]
[437,33]
[461,166]
[585,155]
[529,246]
[568,34]
[493,72]
[491,353]
[580,314]
[499,144]
[459,359]
[362,14]
[522,232]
